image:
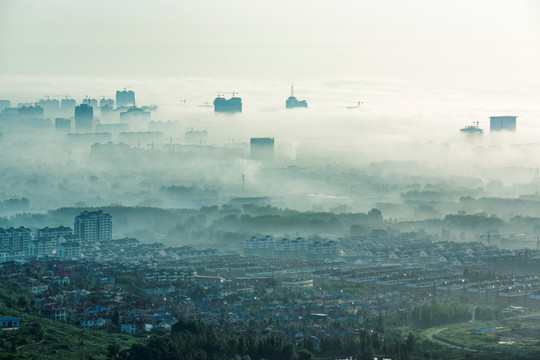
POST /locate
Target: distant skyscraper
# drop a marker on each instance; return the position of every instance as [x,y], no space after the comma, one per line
[125,98]
[62,124]
[108,113]
[93,226]
[497,123]
[51,107]
[137,119]
[84,118]
[106,102]
[15,240]
[68,106]
[292,102]
[231,105]
[4,104]
[90,102]
[30,112]
[262,149]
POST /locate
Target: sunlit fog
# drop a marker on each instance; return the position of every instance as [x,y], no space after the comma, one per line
[284,179]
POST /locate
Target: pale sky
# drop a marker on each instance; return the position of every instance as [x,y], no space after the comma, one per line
[416,40]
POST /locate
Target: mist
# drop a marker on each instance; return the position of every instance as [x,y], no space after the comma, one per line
[409,133]
[278,180]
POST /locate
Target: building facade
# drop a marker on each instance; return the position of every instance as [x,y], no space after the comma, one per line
[125,98]
[15,240]
[259,246]
[84,118]
[498,123]
[93,226]
[261,149]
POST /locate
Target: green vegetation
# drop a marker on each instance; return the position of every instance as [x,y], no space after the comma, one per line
[42,338]
[189,340]
[492,337]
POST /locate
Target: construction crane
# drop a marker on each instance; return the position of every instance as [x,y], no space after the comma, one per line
[355,107]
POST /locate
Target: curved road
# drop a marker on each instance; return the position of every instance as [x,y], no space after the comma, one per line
[433,332]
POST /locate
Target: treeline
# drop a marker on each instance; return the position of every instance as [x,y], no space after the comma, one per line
[449,311]
[210,223]
[196,340]
[368,345]
[15,204]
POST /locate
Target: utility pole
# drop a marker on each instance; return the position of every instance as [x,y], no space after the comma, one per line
[243,183]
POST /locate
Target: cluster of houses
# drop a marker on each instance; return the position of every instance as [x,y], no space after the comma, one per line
[286,248]
[135,287]
[23,243]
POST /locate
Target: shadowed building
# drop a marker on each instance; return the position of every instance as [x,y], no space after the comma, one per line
[62,124]
[90,102]
[231,105]
[4,104]
[109,114]
[106,102]
[93,226]
[84,118]
[262,149]
[67,106]
[15,240]
[26,117]
[137,118]
[125,98]
[497,123]
[51,107]
[292,102]
[472,130]
[30,112]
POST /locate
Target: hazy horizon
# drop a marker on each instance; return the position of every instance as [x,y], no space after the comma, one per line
[446,42]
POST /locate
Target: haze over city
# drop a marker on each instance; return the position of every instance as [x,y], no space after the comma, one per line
[285,180]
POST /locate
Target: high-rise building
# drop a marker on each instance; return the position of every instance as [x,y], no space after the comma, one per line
[106,102]
[262,149]
[125,98]
[51,107]
[137,118]
[30,112]
[93,226]
[84,118]
[231,105]
[497,123]
[90,102]
[15,240]
[67,107]
[135,114]
[292,102]
[4,104]
[62,124]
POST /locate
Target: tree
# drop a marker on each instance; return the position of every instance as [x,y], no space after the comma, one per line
[113,349]
[116,318]
[375,214]
[305,355]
